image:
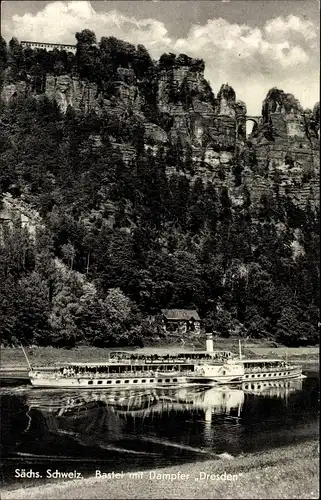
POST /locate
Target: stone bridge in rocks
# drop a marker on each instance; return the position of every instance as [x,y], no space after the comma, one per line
[255,119]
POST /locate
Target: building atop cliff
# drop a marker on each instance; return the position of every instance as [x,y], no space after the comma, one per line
[48,46]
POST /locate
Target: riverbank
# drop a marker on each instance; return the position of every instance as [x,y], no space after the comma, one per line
[287,472]
[13,360]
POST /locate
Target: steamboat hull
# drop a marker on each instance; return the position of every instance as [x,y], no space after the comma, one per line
[75,383]
[275,375]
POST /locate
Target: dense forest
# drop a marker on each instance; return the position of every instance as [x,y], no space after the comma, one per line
[120,240]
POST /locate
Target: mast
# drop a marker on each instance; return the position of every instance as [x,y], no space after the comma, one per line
[240,349]
[24,352]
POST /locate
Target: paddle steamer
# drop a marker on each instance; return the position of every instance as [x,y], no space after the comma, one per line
[133,369]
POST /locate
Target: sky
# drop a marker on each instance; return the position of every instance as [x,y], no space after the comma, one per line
[253,45]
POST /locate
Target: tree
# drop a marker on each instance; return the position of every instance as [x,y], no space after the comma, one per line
[69,307]
[58,68]
[115,324]
[256,325]
[18,250]
[3,53]
[3,59]
[15,58]
[68,253]
[224,322]
[288,328]
[86,37]
[32,310]
[142,62]
[8,310]
[86,54]
[211,210]
[117,305]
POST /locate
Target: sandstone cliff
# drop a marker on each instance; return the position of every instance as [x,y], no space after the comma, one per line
[12,209]
[280,156]
[285,150]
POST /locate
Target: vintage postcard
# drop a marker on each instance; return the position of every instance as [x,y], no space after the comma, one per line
[159,249]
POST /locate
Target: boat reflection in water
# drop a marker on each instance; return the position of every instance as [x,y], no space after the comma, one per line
[273,389]
[110,420]
[222,400]
[136,403]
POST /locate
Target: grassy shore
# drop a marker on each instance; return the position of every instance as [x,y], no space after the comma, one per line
[287,472]
[12,359]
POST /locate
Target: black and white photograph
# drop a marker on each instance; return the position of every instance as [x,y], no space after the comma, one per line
[159,249]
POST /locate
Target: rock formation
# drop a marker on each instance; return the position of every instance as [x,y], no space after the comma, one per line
[285,151]
[281,154]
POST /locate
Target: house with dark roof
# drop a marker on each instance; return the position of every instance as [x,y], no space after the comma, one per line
[180,320]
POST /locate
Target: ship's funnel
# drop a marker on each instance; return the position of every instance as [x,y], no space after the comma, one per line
[209,342]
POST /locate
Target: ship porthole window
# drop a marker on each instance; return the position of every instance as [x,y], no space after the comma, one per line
[151,380]
[260,375]
[167,380]
[135,381]
[159,380]
[90,382]
[253,376]
[99,382]
[174,379]
[126,381]
[143,381]
[246,376]
[264,374]
[108,381]
[117,381]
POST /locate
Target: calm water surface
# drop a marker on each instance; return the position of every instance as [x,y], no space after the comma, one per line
[136,429]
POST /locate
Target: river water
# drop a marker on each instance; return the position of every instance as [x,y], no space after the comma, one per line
[137,429]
